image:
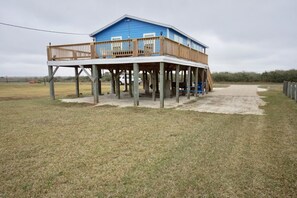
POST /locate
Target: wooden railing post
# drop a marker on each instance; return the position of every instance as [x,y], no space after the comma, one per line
[190,57]
[74,54]
[93,50]
[49,53]
[135,47]
[162,45]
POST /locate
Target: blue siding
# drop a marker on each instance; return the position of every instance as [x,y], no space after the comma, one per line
[173,32]
[129,28]
[193,44]
[132,28]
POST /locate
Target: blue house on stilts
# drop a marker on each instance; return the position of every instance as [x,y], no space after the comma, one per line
[171,61]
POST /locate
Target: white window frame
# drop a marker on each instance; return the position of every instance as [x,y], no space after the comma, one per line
[116,38]
[148,35]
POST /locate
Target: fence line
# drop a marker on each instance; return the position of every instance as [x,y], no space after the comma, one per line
[290,89]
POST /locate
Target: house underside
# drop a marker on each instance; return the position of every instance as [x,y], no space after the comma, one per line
[167,68]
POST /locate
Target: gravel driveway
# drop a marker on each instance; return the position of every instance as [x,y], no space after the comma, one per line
[235,99]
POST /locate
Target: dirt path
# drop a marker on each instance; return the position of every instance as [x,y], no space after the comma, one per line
[235,99]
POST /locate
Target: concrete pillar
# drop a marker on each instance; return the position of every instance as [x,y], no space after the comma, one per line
[177,84]
[76,82]
[51,82]
[162,82]
[196,82]
[136,85]
[189,83]
[95,84]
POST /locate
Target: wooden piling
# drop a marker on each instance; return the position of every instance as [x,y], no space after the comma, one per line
[95,84]
[99,81]
[196,82]
[153,77]
[162,83]
[51,82]
[189,82]
[117,84]
[130,83]
[177,84]
[76,82]
[136,85]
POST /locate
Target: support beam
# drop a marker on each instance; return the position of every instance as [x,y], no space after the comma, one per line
[157,80]
[136,85]
[126,84]
[206,82]
[99,81]
[53,73]
[196,82]
[143,79]
[95,84]
[86,72]
[51,82]
[189,83]
[130,83]
[112,82]
[117,83]
[76,82]
[162,83]
[92,82]
[177,83]
[202,80]
[154,82]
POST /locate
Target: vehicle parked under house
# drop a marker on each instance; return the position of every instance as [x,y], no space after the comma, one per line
[168,59]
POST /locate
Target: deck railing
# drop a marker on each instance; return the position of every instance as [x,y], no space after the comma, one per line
[154,46]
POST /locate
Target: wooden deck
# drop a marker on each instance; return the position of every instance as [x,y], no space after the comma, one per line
[155,46]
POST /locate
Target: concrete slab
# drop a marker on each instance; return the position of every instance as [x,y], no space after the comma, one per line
[235,99]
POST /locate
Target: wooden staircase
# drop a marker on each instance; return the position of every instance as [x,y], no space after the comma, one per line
[209,80]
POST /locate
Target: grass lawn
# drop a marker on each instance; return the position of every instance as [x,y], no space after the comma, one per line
[52,149]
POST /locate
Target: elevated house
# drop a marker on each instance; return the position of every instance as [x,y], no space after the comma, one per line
[170,61]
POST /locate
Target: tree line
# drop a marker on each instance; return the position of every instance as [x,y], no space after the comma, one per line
[276,76]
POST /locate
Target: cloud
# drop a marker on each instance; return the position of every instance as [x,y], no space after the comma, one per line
[242,35]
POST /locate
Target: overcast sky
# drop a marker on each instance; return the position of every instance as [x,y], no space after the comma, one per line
[243,35]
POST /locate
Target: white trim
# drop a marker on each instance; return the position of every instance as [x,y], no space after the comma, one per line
[147,21]
[151,33]
[129,60]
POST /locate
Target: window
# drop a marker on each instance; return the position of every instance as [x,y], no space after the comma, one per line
[116,46]
[178,38]
[149,45]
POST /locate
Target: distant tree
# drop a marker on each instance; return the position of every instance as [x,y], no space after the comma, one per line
[277,76]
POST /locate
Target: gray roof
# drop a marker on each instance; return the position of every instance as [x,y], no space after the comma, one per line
[147,21]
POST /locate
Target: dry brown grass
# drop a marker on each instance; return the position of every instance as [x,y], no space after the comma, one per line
[50,149]
[17,91]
